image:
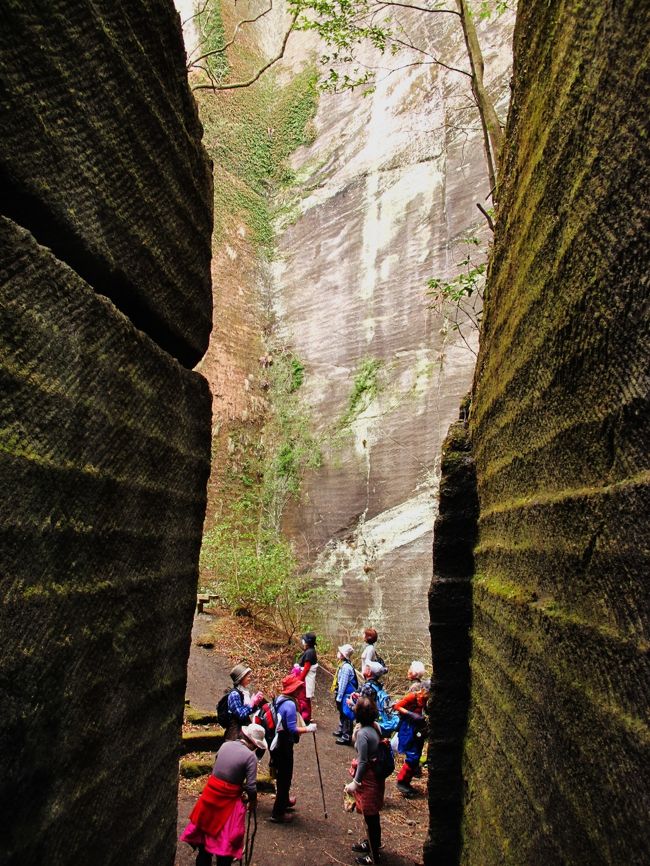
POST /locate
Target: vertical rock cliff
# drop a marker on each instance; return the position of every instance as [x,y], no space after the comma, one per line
[105,301]
[386,193]
[557,749]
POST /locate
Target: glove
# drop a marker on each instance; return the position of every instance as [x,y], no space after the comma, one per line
[351,787]
[257,699]
[311,728]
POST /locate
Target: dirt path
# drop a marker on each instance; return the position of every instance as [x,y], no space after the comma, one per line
[310,840]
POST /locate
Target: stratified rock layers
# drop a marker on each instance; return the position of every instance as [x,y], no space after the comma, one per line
[104,435]
[101,152]
[557,749]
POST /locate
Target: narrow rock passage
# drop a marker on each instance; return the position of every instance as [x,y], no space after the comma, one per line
[310,840]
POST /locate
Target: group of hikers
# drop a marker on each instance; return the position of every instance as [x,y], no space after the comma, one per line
[368,721]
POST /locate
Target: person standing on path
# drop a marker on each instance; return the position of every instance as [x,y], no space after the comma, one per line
[288,732]
[217,822]
[410,734]
[366,786]
[240,703]
[308,664]
[368,653]
[346,684]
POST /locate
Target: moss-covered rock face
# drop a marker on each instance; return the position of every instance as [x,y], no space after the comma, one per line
[101,157]
[104,435]
[557,749]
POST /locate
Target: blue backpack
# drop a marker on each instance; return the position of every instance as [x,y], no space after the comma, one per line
[388,719]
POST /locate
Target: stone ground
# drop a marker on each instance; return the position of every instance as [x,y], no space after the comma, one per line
[311,840]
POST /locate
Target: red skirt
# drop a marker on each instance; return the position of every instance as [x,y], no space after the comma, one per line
[369,797]
[215,805]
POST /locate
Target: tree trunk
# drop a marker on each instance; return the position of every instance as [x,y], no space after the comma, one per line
[492,132]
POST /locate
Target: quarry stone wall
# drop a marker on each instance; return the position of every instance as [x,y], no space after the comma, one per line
[557,748]
[105,302]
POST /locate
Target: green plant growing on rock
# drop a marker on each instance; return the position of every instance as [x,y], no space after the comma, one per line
[365,388]
[460,299]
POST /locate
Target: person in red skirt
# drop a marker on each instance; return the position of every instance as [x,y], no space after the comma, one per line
[366,786]
[217,822]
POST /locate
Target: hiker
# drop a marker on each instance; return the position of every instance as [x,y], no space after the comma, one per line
[346,684]
[366,785]
[369,653]
[236,705]
[411,734]
[373,688]
[288,731]
[217,822]
[308,664]
[415,675]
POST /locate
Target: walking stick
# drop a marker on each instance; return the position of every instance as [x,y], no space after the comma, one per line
[250,840]
[320,777]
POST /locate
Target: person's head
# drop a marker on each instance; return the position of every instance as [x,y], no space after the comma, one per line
[370,635]
[372,670]
[345,651]
[365,711]
[291,684]
[253,737]
[308,639]
[416,671]
[241,675]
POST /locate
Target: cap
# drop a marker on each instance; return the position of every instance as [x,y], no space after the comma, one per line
[238,673]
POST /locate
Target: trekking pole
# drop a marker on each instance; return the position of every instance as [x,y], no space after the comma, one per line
[320,777]
[250,840]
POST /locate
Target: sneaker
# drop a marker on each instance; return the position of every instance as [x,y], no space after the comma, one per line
[361,847]
[281,819]
[367,860]
[405,789]
[342,742]
[336,733]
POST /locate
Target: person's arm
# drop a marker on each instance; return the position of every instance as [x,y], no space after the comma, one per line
[237,707]
[362,755]
[305,670]
[250,785]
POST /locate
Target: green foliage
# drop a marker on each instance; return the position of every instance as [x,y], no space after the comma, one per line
[250,134]
[213,39]
[364,390]
[460,299]
[255,569]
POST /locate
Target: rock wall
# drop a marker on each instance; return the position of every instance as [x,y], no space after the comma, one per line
[557,749]
[385,194]
[105,434]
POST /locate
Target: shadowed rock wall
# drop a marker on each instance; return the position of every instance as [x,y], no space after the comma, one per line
[557,749]
[104,436]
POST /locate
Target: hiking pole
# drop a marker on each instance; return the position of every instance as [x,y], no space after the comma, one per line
[250,840]
[320,777]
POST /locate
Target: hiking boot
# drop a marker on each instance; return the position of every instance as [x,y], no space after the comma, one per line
[363,847]
[405,789]
[336,733]
[281,819]
[343,742]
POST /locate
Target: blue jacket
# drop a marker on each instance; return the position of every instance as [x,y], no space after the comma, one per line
[346,682]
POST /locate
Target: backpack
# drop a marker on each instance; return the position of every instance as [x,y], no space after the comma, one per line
[224,716]
[388,720]
[267,717]
[384,761]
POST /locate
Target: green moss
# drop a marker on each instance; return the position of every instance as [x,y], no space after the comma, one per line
[364,390]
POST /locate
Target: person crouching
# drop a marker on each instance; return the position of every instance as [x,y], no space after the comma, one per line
[410,735]
[217,822]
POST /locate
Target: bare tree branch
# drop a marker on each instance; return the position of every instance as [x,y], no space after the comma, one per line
[260,72]
[418,8]
[487,216]
[234,36]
